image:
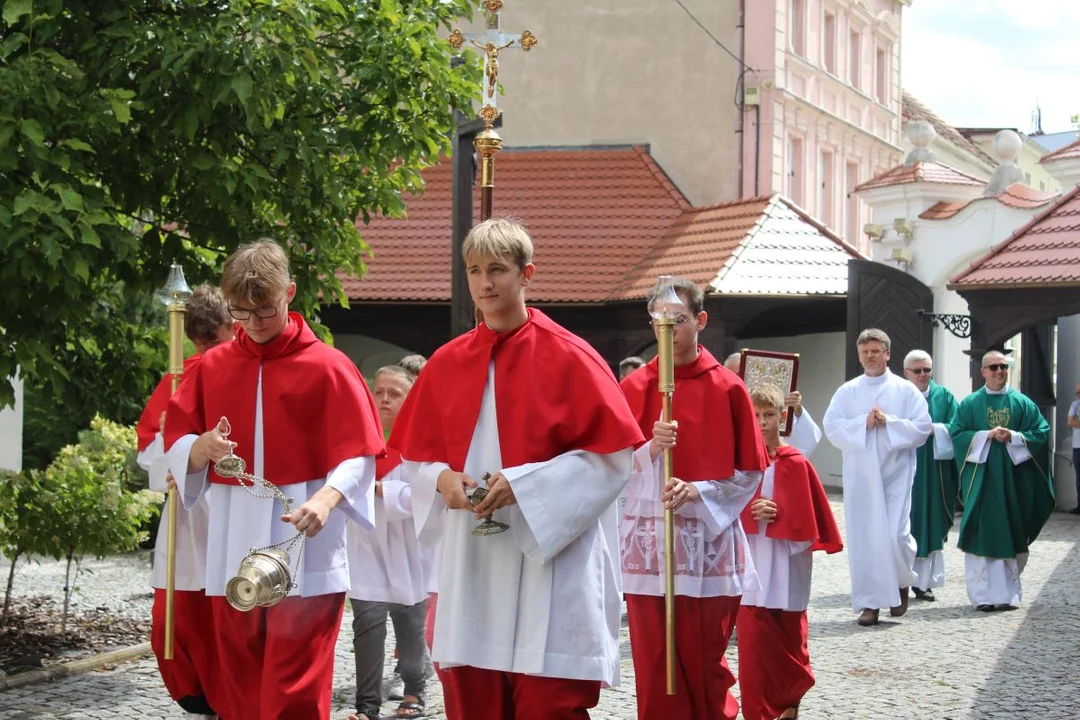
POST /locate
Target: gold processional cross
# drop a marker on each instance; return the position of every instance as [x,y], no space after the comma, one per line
[490,42]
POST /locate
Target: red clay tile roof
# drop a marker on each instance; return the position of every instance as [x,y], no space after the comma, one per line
[1045,251]
[1069,152]
[593,213]
[912,109]
[760,245]
[920,171]
[1018,195]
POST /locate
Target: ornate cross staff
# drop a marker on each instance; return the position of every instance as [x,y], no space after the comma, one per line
[490,42]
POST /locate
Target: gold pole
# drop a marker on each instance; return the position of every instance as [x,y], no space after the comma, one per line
[666,366]
[176,368]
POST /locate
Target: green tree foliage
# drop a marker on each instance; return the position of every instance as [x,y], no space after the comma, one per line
[86,505]
[136,133]
[20,500]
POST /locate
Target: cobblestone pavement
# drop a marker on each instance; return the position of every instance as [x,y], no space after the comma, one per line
[942,661]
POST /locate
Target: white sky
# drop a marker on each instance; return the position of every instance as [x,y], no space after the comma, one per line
[985,63]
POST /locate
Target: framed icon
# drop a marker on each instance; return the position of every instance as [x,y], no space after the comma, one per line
[777,368]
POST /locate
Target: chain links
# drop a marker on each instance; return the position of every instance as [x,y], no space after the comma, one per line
[233,466]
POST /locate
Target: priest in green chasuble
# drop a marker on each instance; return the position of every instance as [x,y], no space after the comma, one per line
[933,494]
[1002,445]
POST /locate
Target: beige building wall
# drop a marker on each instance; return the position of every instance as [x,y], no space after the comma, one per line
[616,72]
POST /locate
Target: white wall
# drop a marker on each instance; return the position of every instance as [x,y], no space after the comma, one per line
[368,353]
[821,372]
[1068,376]
[11,432]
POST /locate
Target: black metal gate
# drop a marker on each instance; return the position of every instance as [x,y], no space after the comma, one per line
[883,297]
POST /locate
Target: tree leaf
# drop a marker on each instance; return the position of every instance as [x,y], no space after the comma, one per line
[11,43]
[14,9]
[76,144]
[89,235]
[69,198]
[121,110]
[31,128]
[242,86]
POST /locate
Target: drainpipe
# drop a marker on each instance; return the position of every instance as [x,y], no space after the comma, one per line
[740,128]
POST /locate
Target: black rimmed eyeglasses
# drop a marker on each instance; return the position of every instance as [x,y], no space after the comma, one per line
[263,313]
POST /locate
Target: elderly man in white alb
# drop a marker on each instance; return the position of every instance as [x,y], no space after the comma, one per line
[878,420]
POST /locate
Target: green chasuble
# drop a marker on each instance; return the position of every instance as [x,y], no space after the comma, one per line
[933,495]
[1005,505]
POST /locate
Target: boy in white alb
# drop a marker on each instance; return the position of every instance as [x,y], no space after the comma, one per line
[389,570]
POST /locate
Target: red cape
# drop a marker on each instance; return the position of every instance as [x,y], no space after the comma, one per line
[386,464]
[803,507]
[718,432]
[553,392]
[317,410]
[150,421]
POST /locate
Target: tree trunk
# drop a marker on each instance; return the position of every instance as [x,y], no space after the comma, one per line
[10,583]
[69,584]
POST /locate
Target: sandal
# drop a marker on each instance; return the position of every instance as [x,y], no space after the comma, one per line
[411,708]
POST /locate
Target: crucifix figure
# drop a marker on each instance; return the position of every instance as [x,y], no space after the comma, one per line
[491,42]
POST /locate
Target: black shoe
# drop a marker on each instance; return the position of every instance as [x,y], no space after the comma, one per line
[1004,607]
[927,595]
[1075,510]
[985,608]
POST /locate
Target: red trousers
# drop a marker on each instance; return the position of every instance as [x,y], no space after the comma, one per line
[703,680]
[774,661]
[193,669]
[277,663]
[497,695]
[450,701]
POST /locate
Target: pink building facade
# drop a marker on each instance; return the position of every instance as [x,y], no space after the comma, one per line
[822,103]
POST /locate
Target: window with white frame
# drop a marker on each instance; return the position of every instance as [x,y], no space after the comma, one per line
[829,42]
[881,68]
[826,185]
[797,26]
[794,188]
[854,58]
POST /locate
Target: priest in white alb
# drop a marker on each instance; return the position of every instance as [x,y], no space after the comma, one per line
[527,623]
[878,420]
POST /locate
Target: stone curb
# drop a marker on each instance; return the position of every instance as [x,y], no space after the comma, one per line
[75,667]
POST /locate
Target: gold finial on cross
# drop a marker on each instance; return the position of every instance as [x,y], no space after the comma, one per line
[491,42]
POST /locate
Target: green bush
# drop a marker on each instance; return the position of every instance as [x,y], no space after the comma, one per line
[20,498]
[86,503]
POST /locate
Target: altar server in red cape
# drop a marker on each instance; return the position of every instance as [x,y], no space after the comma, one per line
[786,522]
[190,675]
[302,418]
[718,461]
[528,620]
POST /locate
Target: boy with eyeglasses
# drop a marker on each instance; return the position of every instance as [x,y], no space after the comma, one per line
[1002,445]
[933,494]
[302,418]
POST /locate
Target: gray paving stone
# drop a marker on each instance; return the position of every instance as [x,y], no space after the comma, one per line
[942,661]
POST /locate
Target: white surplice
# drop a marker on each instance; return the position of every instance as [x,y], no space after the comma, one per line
[388,564]
[930,570]
[805,434]
[239,521]
[783,567]
[711,547]
[879,469]
[191,526]
[995,581]
[542,598]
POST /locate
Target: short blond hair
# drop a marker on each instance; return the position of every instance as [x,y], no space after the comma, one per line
[499,237]
[413,363]
[257,274]
[396,371]
[765,395]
